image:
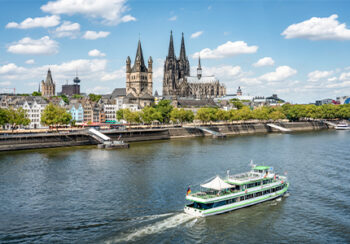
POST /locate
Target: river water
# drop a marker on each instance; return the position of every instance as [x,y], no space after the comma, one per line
[86,195]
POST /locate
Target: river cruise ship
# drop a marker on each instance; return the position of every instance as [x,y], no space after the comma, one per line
[236,191]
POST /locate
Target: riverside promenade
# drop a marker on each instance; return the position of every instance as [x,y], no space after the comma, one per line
[22,141]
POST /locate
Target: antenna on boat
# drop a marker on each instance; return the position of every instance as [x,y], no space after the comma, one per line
[228,173]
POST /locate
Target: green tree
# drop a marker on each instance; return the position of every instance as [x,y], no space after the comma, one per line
[181,115]
[94,97]
[150,114]
[237,103]
[17,117]
[222,115]
[77,96]
[207,114]
[120,114]
[36,94]
[4,117]
[64,98]
[261,113]
[165,108]
[276,115]
[55,115]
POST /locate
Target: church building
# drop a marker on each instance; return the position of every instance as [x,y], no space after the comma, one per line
[48,86]
[139,84]
[177,81]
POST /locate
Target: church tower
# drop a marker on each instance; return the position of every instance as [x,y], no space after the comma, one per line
[175,69]
[139,84]
[170,70]
[48,87]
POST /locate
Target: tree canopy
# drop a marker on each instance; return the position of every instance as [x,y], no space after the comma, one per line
[55,115]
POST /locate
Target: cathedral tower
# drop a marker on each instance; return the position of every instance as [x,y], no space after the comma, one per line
[139,84]
[48,87]
[175,69]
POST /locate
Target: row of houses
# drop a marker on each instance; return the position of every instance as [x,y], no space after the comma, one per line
[83,110]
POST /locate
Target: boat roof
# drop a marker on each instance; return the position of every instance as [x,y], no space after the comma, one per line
[217,184]
[262,167]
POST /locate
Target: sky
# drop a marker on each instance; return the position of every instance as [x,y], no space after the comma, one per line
[298,49]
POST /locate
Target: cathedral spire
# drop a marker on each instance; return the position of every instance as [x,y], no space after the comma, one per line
[171,52]
[183,50]
[49,77]
[139,59]
[199,69]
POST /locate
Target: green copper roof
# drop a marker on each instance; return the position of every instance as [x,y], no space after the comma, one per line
[262,167]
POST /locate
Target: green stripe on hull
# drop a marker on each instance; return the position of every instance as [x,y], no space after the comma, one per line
[245,203]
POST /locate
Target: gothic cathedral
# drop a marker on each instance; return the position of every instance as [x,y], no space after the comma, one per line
[177,81]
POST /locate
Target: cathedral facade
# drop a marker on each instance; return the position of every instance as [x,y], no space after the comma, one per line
[139,84]
[177,81]
[48,87]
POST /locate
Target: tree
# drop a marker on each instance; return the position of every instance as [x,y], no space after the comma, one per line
[206,114]
[222,115]
[55,115]
[4,117]
[36,94]
[77,96]
[94,97]
[150,114]
[276,115]
[165,108]
[237,103]
[181,115]
[120,114]
[261,113]
[17,117]
[65,98]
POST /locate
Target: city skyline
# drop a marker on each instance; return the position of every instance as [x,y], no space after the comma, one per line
[257,46]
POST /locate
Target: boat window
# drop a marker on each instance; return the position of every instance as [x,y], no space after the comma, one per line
[258,194]
[265,182]
[249,196]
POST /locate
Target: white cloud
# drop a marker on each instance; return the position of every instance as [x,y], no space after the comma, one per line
[11,68]
[227,49]
[118,74]
[110,11]
[47,21]
[266,61]
[44,45]
[318,75]
[173,18]
[96,53]
[331,79]
[196,34]
[5,83]
[67,29]
[100,90]
[128,18]
[225,71]
[281,73]
[30,61]
[93,35]
[327,28]
[344,76]
[339,85]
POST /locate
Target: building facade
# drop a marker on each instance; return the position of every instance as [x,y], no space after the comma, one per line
[48,87]
[139,84]
[177,81]
[71,89]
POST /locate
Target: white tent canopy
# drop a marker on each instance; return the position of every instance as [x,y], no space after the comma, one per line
[217,184]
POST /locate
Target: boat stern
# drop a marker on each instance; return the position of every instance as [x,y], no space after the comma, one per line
[193,211]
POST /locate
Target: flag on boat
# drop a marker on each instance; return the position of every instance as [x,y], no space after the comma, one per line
[188,191]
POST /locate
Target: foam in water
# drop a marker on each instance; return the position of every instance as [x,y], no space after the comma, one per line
[157,227]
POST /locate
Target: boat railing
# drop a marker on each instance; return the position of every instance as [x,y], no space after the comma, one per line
[212,194]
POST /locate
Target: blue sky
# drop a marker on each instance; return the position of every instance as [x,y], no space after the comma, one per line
[297,49]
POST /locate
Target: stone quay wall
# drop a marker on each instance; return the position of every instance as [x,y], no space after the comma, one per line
[50,140]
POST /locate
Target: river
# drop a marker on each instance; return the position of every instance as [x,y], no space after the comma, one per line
[137,195]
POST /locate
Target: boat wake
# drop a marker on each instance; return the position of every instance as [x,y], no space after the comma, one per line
[156,227]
